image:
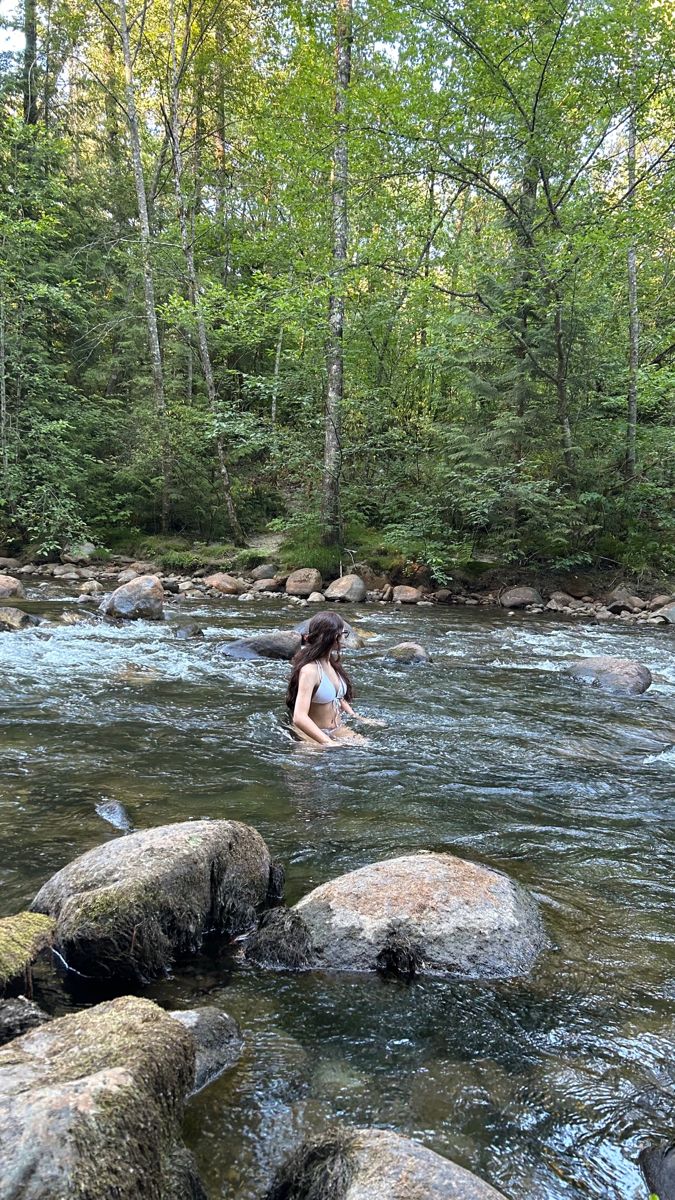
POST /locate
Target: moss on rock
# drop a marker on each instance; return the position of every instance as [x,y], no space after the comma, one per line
[22,938]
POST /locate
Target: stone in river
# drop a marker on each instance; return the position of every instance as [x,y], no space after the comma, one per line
[424,913]
[303,582]
[22,938]
[91,1107]
[349,588]
[408,652]
[657,1164]
[374,1164]
[9,586]
[263,645]
[612,674]
[667,612]
[13,619]
[402,594]
[17,1016]
[142,598]
[217,1039]
[227,585]
[125,909]
[520,597]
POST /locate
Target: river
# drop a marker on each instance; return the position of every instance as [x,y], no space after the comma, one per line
[546,1087]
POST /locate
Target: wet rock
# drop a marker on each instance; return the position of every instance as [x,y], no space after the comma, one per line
[126,908]
[171,585]
[9,564]
[316,598]
[464,919]
[408,652]
[13,619]
[80,552]
[520,597]
[185,632]
[264,571]
[91,1106]
[402,594]
[660,601]
[374,1164]
[115,814]
[18,1016]
[657,1164]
[613,674]
[127,575]
[621,600]
[275,583]
[349,588]
[353,640]
[141,599]
[263,645]
[228,585]
[281,941]
[9,586]
[442,596]
[304,582]
[91,587]
[218,1042]
[668,612]
[22,938]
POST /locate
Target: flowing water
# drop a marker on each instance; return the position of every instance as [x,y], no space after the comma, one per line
[546,1087]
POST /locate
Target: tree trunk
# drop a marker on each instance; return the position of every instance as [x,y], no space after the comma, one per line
[332,524]
[561,387]
[633,316]
[275,382]
[148,281]
[30,93]
[4,432]
[193,282]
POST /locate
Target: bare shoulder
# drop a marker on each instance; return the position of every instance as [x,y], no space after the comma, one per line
[309,671]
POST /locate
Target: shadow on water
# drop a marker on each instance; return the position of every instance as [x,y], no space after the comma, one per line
[546,1087]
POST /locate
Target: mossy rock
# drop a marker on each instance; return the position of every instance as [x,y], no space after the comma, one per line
[91,1105]
[22,938]
[127,908]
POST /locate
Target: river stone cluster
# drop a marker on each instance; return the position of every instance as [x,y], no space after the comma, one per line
[125,909]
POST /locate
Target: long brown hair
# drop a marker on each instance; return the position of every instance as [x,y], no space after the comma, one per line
[322,633]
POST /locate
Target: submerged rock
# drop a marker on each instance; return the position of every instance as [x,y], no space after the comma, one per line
[91,1105]
[115,814]
[374,1164]
[141,599]
[657,1164]
[22,938]
[126,908]
[282,941]
[9,586]
[13,619]
[184,632]
[263,645]
[18,1016]
[349,588]
[218,1042]
[612,674]
[408,652]
[424,913]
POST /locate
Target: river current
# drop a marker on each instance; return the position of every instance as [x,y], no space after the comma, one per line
[546,1087]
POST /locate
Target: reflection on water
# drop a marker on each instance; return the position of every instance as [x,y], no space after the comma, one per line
[546,1087]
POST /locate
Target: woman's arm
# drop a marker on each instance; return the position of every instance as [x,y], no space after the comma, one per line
[347,708]
[306,685]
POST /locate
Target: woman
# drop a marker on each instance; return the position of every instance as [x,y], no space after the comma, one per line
[320,690]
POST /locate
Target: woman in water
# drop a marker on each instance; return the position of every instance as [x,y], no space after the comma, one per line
[320,690]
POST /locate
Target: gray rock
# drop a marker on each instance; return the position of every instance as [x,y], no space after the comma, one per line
[126,908]
[612,674]
[18,1016]
[185,632]
[408,652]
[274,583]
[657,1164]
[349,588]
[13,619]
[9,586]
[264,571]
[91,587]
[22,938]
[621,600]
[402,594]
[115,814]
[304,582]
[140,599]
[661,601]
[9,564]
[520,597]
[374,1164]
[80,552]
[217,1038]
[263,645]
[228,585]
[91,1106]
[443,914]
[668,611]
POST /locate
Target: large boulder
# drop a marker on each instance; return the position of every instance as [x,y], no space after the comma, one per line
[227,585]
[658,1167]
[264,571]
[620,599]
[408,652]
[353,640]
[349,588]
[9,586]
[22,938]
[126,908]
[374,1164]
[91,1106]
[520,597]
[17,1016]
[668,612]
[403,594]
[612,674]
[263,645]
[12,619]
[80,552]
[9,564]
[142,598]
[432,913]
[275,583]
[304,582]
[217,1038]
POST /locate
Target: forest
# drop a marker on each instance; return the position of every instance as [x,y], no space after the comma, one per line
[391,277]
